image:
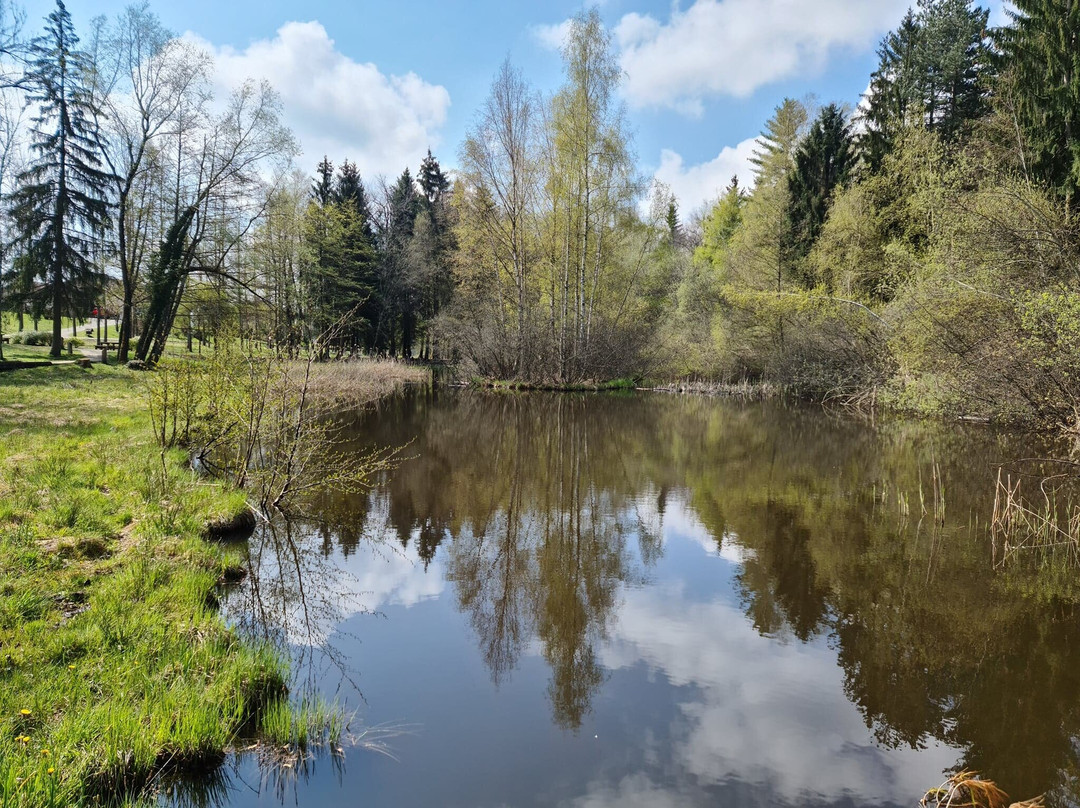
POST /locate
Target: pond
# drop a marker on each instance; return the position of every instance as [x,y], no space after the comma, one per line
[650,600]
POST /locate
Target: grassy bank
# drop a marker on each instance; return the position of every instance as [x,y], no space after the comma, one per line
[115,667]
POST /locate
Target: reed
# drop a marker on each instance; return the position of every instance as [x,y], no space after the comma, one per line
[1048,529]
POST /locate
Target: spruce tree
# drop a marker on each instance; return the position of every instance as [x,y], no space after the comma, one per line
[823,163]
[359,259]
[893,89]
[350,188]
[431,245]
[322,187]
[1042,48]
[671,219]
[397,281]
[433,182]
[61,206]
[934,70]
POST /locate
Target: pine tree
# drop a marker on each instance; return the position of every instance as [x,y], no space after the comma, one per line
[61,206]
[1042,49]
[822,165]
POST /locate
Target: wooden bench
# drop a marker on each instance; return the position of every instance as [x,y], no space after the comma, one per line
[5,340]
[108,346]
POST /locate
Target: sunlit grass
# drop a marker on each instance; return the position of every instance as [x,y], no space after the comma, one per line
[114,665]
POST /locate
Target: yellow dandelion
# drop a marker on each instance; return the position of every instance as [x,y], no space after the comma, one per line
[44,752]
[51,770]
[24,712]
[71,667]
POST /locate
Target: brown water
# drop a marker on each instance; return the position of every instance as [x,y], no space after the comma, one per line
[657,601]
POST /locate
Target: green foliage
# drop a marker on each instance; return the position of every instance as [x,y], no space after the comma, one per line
[774,156]
[340,273]
[720,225]
[109,645]
[823,163]
[879,231]
[933,71]
[167,274]
[32,338]
[1041,51]
[60,205]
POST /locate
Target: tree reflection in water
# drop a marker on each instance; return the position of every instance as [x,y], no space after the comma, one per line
[546,509]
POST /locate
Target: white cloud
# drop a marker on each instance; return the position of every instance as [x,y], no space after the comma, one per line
[694,185]
[552,36]
[758,710]
[336,105]
[304,596]
[733,47]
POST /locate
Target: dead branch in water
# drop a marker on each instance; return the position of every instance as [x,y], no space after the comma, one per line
[966,789]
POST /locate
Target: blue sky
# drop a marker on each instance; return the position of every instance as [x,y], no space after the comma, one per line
[378,82]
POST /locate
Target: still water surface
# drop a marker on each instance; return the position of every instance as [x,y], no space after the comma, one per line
[657,601]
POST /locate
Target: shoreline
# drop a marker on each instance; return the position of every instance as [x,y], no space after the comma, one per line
[116,667]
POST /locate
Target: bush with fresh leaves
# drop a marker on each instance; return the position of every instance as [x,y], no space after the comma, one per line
[32,338]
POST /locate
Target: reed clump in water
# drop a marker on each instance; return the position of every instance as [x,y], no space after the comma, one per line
[1050,528]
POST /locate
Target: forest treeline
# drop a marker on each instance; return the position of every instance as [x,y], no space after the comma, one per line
[920,249]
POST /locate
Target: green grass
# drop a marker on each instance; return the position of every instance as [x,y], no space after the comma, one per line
[114,665]
[312,722]
[10,325]
[26,353]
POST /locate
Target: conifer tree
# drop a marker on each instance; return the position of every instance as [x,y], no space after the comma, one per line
[773,157]
[933,70]
[1042,48]
[359,260]
[349,187]
[397,281]
[822,164]
[61,206]
[432,242]
[322,187]
[433,182]
[671,219]
[893,88]
[720,224]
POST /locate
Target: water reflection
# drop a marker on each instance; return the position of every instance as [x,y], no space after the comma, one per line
[757,603]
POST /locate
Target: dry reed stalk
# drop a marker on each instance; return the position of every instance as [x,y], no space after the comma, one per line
[965,790]
[357,383]
[1018,526]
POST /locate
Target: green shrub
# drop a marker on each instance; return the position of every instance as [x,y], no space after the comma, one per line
[32,338]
